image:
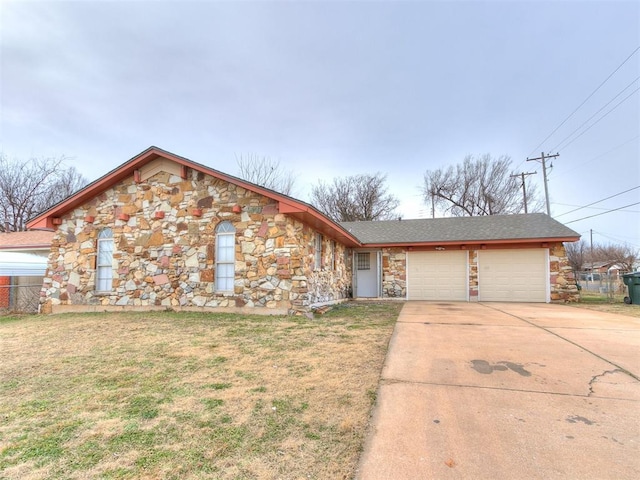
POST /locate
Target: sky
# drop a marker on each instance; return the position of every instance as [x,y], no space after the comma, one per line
[336,88]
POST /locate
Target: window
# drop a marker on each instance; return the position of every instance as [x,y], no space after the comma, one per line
[318,251]
[225,256]
[363,261]
[104,267]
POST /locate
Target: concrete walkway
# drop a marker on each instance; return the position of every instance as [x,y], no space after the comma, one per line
[507,391]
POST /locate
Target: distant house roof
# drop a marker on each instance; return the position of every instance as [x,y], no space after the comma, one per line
[482,229]
[597,265]
[29,240]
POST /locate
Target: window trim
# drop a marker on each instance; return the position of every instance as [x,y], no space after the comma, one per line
[105,236]
[225,229]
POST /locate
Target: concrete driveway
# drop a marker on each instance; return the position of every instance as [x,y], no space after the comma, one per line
[507,391]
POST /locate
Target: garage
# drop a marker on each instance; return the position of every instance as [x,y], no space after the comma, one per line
[437,275]
[514,275]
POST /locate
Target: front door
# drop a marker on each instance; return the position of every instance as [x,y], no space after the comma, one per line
[367,274]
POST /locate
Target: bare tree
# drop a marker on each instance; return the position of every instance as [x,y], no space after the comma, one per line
[581,256]
[624,256]
[266,172]
[478,186]
[355,198]
[30,187]
[576,255]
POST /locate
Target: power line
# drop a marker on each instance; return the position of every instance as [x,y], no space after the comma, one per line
[585,206]
[590,208]
[615,239]
[598,214]
[601,108]
[601,155]
[585,101]
[601,118]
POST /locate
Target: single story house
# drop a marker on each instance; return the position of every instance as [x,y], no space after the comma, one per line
[610,267]
[162,231]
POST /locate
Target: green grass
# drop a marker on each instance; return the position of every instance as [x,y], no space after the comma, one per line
[600,298]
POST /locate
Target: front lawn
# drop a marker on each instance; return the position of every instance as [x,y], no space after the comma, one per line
[605,303]
[189,395]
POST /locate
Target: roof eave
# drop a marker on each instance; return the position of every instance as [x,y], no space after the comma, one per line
[309,215]
[471,242]
[303,211]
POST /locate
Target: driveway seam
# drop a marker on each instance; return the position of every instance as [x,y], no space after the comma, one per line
[620,368]
[390,381]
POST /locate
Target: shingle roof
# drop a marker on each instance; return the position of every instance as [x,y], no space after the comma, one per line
[28,239]
[532,226]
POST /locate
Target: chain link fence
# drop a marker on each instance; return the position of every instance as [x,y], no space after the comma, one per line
[602,283]
[20,298]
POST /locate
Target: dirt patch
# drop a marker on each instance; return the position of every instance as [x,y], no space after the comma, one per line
[166,395]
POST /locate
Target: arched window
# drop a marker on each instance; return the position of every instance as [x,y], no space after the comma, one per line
[104,266]
[225,256]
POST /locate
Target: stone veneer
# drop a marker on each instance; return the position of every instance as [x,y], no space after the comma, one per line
[563,285]
[164,250]
[394,273]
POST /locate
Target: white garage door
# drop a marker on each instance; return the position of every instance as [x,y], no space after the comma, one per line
[439,275]
[513,275]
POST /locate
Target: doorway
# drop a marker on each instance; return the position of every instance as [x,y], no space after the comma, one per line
[367,278]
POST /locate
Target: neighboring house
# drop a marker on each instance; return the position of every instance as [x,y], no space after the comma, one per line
[33,242]
[611,268]
[161,231]
[23,263]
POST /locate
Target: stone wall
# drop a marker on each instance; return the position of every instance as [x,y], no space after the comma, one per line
[473,275]
[563,284]
[332,282]
[394,273]
[164,249]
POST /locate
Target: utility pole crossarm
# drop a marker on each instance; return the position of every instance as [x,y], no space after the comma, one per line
[542,159]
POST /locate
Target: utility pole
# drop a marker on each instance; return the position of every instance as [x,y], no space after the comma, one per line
[524,186]
[433,207]
[542,159]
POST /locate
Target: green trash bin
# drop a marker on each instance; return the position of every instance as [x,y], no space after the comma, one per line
[632,281]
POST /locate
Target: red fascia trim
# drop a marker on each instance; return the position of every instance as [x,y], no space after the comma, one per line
[286,207]
[287,204]
[41,223]
[317,220]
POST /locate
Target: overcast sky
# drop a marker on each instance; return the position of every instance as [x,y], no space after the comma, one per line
[336,88]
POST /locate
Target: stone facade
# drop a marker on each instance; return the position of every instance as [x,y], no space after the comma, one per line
[473,275]
[562,284]
[164,236]
[394,273]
